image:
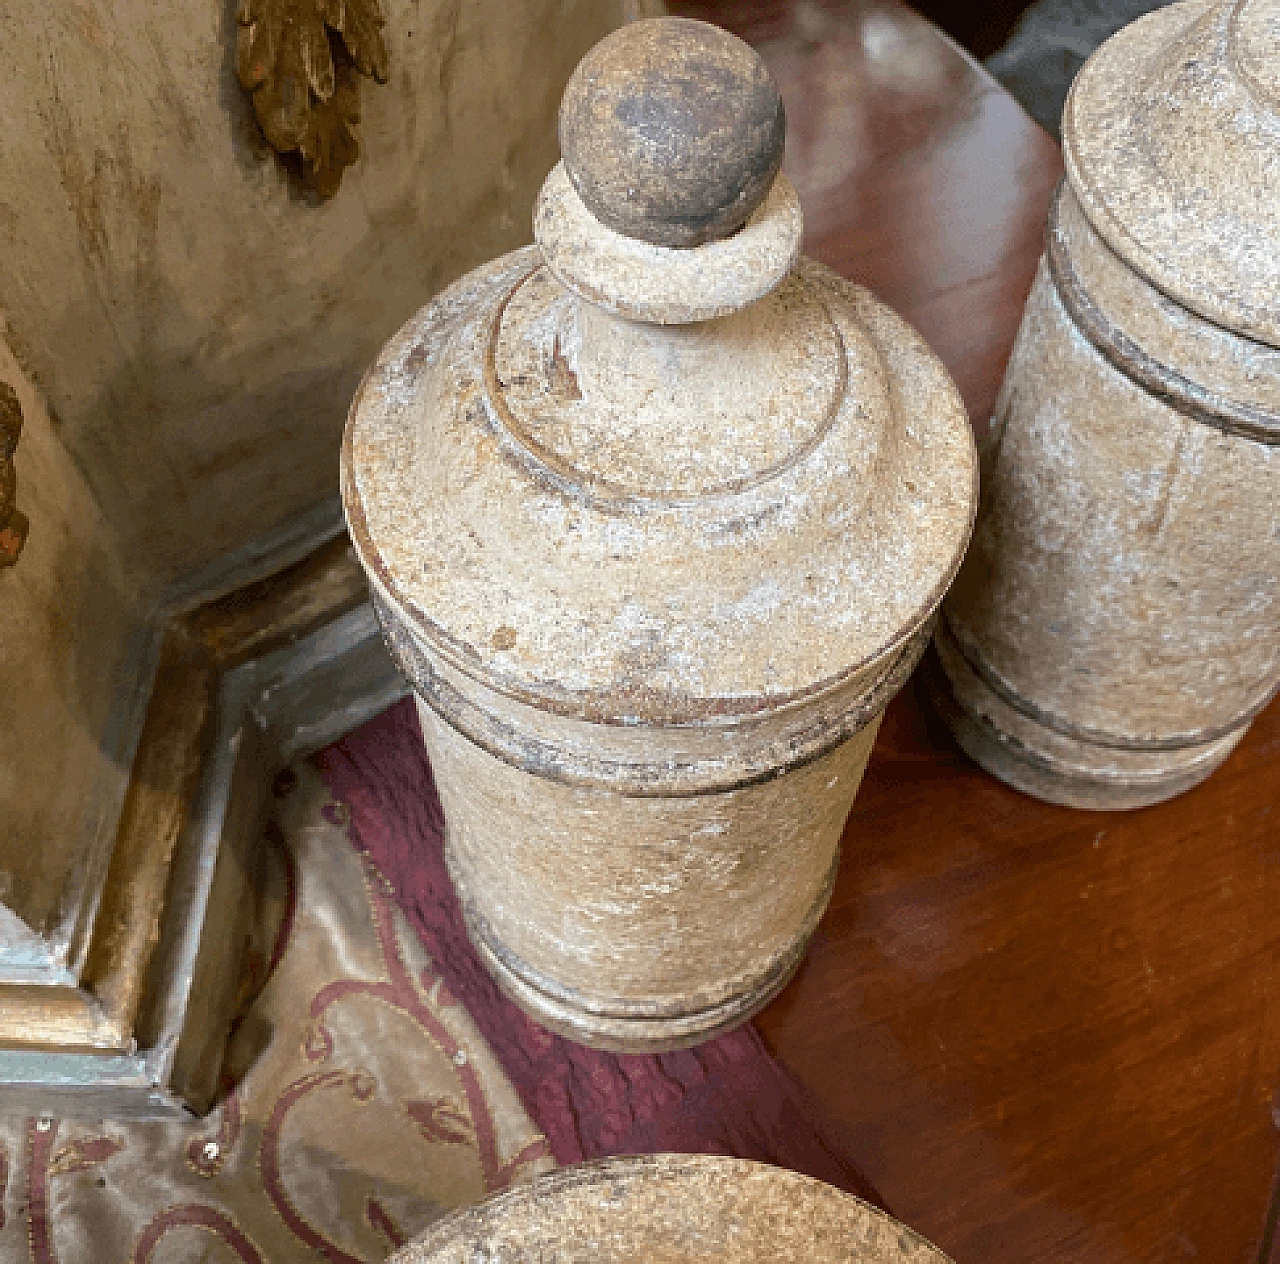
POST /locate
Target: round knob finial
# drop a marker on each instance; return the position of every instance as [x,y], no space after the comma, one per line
[671,131]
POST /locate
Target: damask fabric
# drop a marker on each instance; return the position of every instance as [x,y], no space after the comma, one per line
[728,1096]
[366,1103]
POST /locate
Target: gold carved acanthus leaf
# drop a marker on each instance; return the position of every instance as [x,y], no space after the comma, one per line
[302,60]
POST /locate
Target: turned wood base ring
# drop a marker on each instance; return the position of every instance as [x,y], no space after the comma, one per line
[601,1024]
[1059,768]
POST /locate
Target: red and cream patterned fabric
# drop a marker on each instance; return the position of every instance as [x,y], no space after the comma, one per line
[365,1101]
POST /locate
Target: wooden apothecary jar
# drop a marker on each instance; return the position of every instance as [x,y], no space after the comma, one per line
[671,1209]
[656,529]
[1116,626]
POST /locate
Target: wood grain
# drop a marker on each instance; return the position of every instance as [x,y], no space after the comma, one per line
[1056,1034]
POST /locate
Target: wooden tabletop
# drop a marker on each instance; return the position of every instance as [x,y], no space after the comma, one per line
[1053,1035]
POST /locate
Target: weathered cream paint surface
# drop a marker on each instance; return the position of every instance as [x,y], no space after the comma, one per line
[655,533]
[197,327]
[671,1209]
[67,611]
[672,904]
[1100,583]
[550,592]
[1116,624]
[1169,138]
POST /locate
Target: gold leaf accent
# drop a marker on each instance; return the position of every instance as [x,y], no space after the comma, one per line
[302,60]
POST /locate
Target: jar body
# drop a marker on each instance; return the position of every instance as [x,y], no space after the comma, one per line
[640,923]
[642,890]
[1115,625]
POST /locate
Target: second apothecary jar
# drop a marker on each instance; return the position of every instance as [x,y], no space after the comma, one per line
[1116,625]
[656,517]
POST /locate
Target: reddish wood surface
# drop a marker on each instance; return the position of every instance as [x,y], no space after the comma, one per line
[1055,1034]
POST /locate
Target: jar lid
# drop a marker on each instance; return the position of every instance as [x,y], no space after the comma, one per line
[1171,136]
[651,484]
[671,1207]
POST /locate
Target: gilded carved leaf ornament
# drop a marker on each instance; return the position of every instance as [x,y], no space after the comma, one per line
[301,60]
[13,524]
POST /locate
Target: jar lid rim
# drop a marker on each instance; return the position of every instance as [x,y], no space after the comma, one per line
[1173,150]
